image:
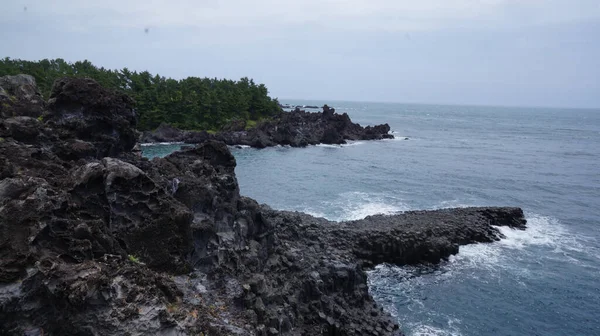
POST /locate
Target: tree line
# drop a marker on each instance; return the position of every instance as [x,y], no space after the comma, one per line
[192,103]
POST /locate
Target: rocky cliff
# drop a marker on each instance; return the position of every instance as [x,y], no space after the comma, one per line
[297,128]
[95,240]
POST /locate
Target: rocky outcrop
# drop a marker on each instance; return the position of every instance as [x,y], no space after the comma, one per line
[95,240]
[297,129]
[80,109]
[19,96]
[323,263]
[164,133]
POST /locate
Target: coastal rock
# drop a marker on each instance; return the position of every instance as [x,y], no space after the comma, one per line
[328,112]
[79,108]
[19,96]
[300,128]
[332,136]
[192,137]
[164,133]
[97,240]
[323,263]
[296,129]
[20,128]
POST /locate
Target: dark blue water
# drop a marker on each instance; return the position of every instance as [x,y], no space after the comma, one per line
[543,281]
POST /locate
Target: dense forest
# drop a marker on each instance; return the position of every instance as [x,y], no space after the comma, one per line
[190,103]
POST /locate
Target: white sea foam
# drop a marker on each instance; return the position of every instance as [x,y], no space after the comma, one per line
[427,330]
[314,213]
[547,233]
[353,143]
[373,208]
[160,144]
[357,205]
[349,144]
[455,203]
[328,146]
[401,287]
[545,238]
[543,232]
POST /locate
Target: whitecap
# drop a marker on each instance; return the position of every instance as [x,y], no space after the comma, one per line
[427,330]
[353,143]
[541,231]
[328,146]
[149,144]
[373,208]
[358,205]
[545,238]
[544,232]
[455,203]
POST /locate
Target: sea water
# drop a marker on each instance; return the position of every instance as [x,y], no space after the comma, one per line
[542,281]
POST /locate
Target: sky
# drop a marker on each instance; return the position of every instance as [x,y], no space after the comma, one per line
[483,52]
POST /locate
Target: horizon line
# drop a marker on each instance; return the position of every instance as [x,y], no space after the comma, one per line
[443,104]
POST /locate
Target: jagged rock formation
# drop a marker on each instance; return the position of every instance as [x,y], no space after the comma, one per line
[95,240]
[19,96]
[297,129]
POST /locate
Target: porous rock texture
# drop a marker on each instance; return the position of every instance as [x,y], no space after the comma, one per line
[95,240]
[20,96]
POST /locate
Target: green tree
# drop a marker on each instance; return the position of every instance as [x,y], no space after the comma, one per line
[189,103]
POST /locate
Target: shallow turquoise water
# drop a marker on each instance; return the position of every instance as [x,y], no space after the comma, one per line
[544,281]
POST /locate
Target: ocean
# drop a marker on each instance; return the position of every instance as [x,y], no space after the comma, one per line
[542,281]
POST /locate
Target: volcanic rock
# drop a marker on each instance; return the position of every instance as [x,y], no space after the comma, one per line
[95,240]
[19,96]
[297,129]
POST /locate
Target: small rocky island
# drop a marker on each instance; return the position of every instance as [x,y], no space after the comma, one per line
[96,240]
[296,128]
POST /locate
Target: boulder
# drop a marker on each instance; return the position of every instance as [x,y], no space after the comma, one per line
[376,132]
[164,133]
[79,108]
[193,137]
[19,96]
[20,128]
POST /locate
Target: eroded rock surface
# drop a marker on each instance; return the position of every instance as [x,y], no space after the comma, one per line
[296,128]
[20,96]
[95,240]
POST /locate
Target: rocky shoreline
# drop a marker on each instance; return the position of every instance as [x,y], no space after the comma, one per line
[96,240]
[296,128]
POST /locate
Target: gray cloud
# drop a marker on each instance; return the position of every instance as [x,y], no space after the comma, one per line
[513,52]
[335,14]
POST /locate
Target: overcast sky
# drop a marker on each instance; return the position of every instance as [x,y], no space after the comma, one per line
[491,52]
